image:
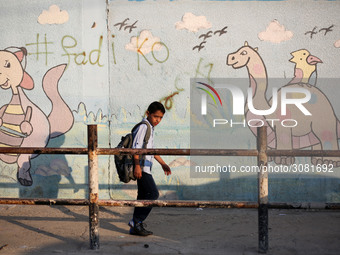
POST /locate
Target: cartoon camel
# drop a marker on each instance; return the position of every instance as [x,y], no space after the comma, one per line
[319,130]
[22,123]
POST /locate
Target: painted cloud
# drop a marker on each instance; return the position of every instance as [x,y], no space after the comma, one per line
[275,33]
[337,44]
[144,43]
[193,23]
[53,16]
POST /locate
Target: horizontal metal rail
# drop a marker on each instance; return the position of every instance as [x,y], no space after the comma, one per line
[36,150]
[125,151]
[172,152]
[93,202]
[304,153]
[166,203]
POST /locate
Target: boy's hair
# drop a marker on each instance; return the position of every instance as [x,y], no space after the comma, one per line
[156,106]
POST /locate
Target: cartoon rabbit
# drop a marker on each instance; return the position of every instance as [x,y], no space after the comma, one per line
[22,123]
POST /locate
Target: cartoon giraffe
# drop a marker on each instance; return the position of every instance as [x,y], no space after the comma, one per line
[22,123]
[319,131]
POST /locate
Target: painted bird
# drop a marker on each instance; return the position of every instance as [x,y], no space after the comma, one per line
[206,35]
[200,46]
[305,67]
[222,31]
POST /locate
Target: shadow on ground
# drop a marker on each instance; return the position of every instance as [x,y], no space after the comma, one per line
[65,230]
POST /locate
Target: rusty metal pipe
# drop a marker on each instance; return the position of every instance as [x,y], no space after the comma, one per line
[176,203]
[43,201]
[304,153]
[168,203]
[184,152]
[262,161]
[93,186]
[38,150]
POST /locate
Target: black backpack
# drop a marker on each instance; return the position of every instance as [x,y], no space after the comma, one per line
[125,163]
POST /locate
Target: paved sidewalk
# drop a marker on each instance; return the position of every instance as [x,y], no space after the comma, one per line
[65,230]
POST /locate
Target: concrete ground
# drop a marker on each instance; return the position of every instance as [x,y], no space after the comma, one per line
[65,230]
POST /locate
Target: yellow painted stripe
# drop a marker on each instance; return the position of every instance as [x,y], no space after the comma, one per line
[4,145]
[13,127]
[14,109]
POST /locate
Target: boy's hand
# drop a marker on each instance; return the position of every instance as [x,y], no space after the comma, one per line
[166,168]
[137,172]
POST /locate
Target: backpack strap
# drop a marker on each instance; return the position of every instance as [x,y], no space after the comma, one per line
[146,137]
[147,134]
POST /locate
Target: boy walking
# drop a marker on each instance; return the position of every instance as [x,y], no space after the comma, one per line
[147,189]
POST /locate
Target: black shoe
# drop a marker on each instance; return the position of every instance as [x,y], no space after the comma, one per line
[139,230]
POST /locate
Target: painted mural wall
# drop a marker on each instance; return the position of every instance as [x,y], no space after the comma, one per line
[66,64]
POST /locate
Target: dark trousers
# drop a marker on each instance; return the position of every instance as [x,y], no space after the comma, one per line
[147,190]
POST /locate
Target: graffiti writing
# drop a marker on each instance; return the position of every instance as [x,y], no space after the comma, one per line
[113,51]
[168,100]
[68,42]
[39,51]
[199,73]
[94,56]
[157,59]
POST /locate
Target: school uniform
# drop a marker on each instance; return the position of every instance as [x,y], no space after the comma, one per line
[147,189]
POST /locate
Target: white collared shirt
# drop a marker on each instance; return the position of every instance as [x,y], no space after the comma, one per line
[138,140]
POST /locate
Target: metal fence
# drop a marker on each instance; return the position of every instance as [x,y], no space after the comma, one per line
[94,202]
